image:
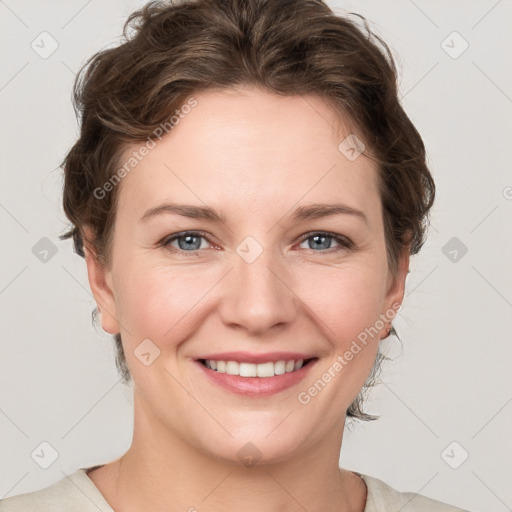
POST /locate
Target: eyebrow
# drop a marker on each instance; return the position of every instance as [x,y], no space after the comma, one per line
[314,211]
[185,210]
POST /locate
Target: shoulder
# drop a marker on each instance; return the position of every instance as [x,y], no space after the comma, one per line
[383,498]
[74,492]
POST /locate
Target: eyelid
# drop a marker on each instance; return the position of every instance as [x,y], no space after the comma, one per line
[173,236]
[343,241]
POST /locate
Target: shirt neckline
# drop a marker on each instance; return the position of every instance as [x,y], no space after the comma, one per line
[84,472]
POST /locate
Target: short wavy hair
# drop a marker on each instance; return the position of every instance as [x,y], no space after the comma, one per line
[171,50]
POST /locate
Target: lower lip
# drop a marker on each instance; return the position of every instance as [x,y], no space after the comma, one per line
[257,386]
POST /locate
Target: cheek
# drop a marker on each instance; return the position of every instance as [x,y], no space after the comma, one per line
[159,301]
[347,311]
[345,300]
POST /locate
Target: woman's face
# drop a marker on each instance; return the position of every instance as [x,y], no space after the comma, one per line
[263,284]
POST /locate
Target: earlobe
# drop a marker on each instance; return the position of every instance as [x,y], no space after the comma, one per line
[101,286]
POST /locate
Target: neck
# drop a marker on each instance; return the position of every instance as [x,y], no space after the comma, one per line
[162,471]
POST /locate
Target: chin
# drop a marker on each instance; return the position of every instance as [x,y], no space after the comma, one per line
[259,443]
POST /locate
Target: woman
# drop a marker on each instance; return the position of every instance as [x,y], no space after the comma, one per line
[246,191]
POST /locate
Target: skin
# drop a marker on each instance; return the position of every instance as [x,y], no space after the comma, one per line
[255,157]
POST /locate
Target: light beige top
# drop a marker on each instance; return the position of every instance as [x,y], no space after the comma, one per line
[77,493]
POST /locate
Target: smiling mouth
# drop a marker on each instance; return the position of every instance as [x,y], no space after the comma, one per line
[262,370]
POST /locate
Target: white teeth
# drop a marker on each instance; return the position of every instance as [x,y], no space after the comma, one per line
[247,370]
[279,367]
[265,369]
[255,370]
[232,368]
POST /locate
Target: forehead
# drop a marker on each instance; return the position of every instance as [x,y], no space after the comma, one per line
[249,148]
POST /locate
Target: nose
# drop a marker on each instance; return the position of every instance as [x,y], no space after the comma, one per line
[257,295]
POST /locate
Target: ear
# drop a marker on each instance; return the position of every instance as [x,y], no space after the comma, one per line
[100,281]
[396,287]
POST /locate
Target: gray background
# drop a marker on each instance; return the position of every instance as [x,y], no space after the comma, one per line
[450,381]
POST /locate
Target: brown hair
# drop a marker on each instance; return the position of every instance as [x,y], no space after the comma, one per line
[287,47]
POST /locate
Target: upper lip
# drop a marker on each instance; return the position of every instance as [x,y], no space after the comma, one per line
[249,357]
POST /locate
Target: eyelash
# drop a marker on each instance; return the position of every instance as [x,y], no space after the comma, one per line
[344,242]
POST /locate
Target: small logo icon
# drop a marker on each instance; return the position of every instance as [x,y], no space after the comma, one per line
[44,45]
[146,352]
[249,249]
[249,455]
[44,250]
[454,455]
[507,192]
[454,250]
[454,45]
[351,147]
[44,455]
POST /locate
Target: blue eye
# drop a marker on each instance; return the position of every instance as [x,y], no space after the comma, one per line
[188,241]
[323,240]
[192,241]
